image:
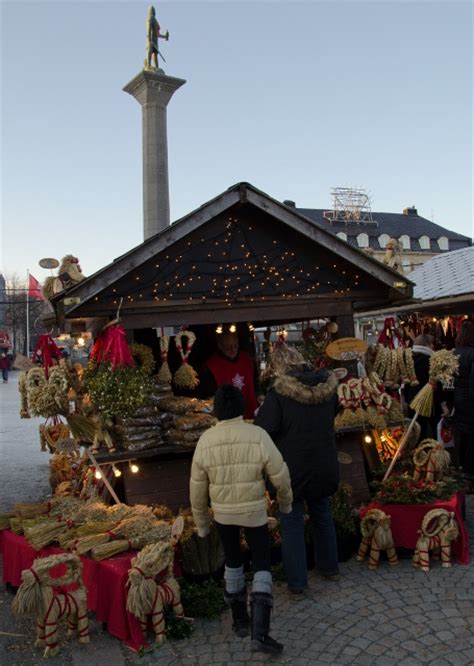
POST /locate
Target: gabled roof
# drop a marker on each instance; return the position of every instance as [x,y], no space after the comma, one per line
[263,244]
[394,225]
[450,274]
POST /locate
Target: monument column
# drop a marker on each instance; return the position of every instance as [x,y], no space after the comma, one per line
[153,90]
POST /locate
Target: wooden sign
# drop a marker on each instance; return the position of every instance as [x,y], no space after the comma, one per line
[23,363]
[48,262]
[346,349]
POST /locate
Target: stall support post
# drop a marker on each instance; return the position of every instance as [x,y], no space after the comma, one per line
[104,478]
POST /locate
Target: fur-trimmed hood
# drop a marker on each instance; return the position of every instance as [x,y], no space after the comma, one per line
[309,387]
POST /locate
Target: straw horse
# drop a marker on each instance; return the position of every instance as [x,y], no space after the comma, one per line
[438,530]
[152,587]
[38,596]
[431,460]
[376,536]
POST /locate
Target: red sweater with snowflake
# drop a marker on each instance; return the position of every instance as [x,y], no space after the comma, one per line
[240,373]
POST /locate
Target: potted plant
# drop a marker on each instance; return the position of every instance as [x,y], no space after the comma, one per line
[345,523]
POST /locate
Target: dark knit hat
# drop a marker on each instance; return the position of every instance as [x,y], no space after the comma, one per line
[228,402]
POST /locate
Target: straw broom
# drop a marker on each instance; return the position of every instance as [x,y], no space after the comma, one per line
[443,366]
[43,534]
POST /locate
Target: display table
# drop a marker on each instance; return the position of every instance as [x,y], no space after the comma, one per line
[406,521]
[105,583]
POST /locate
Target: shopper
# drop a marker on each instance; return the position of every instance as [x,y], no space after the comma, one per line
[5,367]
[298,413]
[229,466]
[464,399]
[422,350]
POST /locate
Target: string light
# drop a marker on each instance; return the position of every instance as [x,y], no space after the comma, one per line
[232,328]
[98,474]
[134,468]
[219,330]
[367,439]
[116,471]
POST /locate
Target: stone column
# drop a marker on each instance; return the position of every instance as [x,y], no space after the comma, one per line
[153,90]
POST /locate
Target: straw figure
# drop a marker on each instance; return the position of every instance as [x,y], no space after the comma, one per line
[431,460]
[152,587]
[38,596]
[438,529]
[393,255]
[376,536]
[69,274]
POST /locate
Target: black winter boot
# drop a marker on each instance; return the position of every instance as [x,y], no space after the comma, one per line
[240,617]
[261,609]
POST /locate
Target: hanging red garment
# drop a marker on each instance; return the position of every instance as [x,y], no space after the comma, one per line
[390,334]
[111,347]
[47,352]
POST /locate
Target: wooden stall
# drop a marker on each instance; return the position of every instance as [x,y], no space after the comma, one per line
[241,257]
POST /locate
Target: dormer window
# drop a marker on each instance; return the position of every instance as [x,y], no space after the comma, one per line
[443,243]
[424,242]
[342,234]
[405,241]
[363,240]
[383,240]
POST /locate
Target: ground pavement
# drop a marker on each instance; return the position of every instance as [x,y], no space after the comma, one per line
[394,615]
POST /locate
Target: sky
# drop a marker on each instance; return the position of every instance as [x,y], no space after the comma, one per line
[293,97]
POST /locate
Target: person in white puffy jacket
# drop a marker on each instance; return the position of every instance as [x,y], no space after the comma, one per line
[230,466]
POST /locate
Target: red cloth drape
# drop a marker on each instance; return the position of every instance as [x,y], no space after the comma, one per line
[47,352]
[111,347]
[407,519]
[105,583]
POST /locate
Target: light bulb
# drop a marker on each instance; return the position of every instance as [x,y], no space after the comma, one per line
[367,439]
[232,328]
[98,474]
[134,468]
[117,472]
[219,330]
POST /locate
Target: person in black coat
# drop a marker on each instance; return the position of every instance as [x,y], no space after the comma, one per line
[298,413]
[464,399]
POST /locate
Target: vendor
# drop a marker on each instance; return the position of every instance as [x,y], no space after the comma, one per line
[231,365]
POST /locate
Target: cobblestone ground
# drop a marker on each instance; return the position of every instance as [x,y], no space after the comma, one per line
[389,616]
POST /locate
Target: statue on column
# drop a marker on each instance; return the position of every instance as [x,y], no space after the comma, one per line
[152,35]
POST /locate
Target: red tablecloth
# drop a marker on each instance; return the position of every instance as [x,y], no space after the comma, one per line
[407,519]
[105,582]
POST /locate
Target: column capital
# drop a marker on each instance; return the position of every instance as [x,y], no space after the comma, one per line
[152,87]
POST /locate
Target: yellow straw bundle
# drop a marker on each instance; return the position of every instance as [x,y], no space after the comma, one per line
[98,527]
[5,520]
[110,549]
[31,509]
[87,543]
[423,401]
[45,533]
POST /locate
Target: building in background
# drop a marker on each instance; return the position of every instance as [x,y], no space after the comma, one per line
[352,220]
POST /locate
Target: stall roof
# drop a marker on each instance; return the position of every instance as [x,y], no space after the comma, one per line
[443,285]
[242,256]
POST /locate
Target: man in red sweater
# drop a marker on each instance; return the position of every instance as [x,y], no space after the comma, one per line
[231,365]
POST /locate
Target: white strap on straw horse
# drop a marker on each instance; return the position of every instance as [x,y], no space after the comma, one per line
[39,597]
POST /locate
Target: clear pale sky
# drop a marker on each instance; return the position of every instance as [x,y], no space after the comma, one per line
[294,97]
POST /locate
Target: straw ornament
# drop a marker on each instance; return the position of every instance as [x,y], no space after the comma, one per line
[376,536]
[185,376]
[164,374]
[438,530]
[152,587]
[39,597]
